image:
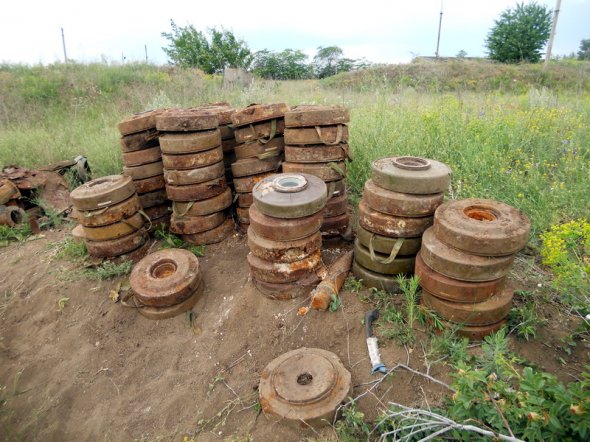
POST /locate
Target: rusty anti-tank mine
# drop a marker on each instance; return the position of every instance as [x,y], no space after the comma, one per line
[304,387]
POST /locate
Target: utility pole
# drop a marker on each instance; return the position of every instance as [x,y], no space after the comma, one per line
[63,42]
[552,35]
[146,57]
[122,58]
[439,26]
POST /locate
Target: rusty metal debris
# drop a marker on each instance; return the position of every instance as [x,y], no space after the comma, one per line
[304,387]
[323,294]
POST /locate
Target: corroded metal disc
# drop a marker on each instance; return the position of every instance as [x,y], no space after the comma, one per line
[284,272]
[258,112]
[108,215]
[331,135]
[472,332]
[392,226]
[193,160]
[140,122]
[139,141]
[307,384]
[115,230]
[316,115]
[378,262]
[489,311]
[384,244]
[482,227]
[186,120]
[453,289]
[290,196]
[141,157]
[213,236]
[246,184]
[189,142]
[460,265]
[278,229]
[203,207]
[335,225]
[254,166]
[372,279]
[411,175]
[118,246]
[144,171]
[332,171]
[400,204]
[259,131]
[151,199]
[288,290]
[189,225]
[283,251]
[150,184]
[196,192]
[194,176]
[157,313]
[258,149]
[318,153]
[102,192]
[166,277]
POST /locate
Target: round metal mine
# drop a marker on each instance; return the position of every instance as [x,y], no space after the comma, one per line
[306,384]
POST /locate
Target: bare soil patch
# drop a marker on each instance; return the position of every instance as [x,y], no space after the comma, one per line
[95,370]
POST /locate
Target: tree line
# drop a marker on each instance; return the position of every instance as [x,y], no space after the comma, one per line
[214,50]
[517,36]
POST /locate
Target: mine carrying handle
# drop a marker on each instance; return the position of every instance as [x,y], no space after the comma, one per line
[370,317]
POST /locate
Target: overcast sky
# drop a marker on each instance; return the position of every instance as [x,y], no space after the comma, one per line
[382,31]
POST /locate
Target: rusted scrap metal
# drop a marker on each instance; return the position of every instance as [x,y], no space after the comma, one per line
[330,286]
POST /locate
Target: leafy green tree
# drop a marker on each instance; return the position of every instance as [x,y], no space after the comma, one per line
[327,61]
[285,65]
[520,34]
[189,47]
[584,52]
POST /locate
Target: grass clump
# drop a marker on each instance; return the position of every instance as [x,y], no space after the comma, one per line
[169,241]
[71,249]
[17,233]
[108,270]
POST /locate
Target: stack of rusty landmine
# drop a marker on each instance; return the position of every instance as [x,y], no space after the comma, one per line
[224,111]
[195,175]
[109,211]
[316,142]
[464,260]
[397,207]
[10,213]
[166,283]
[258,130]
[284,234]
[142,158]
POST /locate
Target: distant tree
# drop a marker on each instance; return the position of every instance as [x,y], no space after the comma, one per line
[584,52]
[285,65]
[520,34]
[461,54]
[330,61]
[326,61]
[191,48]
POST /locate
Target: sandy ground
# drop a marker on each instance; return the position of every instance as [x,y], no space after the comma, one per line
[96,370]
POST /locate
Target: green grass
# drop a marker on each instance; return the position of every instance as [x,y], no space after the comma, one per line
[526,146]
